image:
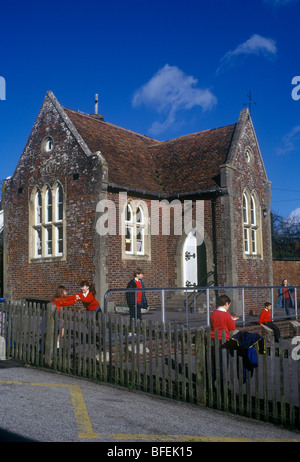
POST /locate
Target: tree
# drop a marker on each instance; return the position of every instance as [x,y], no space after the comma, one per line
[285,237]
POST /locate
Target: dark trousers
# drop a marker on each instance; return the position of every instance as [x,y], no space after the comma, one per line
[287,303]
[138,312]
[274,328]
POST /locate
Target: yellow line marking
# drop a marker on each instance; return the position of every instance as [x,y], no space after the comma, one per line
[85,429]
[81,414]
[80,411]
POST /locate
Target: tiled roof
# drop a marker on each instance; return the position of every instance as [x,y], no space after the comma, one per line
[192,162]
[185,164]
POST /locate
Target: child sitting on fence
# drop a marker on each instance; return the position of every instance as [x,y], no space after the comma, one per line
[265,318]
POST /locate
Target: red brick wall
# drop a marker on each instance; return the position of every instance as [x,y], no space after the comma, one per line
[237,177]
[39,279]
[160,269]
[251,270]
[289,270]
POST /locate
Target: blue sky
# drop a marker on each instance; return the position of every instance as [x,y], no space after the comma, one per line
[161,68]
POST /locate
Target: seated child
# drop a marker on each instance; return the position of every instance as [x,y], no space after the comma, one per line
[265,318]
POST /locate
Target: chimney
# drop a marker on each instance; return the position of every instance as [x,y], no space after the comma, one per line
[96,115]
[96,104]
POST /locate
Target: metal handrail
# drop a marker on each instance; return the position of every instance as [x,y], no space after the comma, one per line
[204,279]
[206,289]
[196,293]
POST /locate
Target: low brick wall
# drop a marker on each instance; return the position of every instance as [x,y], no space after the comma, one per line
[288,329]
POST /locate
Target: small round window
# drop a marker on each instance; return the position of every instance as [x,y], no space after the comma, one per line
[248,155]
[47,144]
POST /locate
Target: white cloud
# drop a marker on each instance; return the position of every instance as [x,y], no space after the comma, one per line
[170,90]
[294,216]
[255,45]
[290,141]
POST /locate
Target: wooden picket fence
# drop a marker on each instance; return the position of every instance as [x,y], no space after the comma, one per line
[174,362]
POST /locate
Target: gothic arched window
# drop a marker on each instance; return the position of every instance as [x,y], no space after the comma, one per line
[47,222]
[136,242]
[251,224]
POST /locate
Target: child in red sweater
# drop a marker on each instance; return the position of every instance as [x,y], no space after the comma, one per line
[87,296]
[61,300]
[136,300]
[265,318]
[221,319]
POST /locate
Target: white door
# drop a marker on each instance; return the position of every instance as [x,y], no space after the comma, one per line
[190,275]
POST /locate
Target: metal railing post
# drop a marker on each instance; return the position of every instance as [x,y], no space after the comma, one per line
[163,308]
[135,310]
[243,305]
[207,307]
[272,301]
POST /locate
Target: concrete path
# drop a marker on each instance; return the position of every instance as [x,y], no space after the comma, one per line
[43,406]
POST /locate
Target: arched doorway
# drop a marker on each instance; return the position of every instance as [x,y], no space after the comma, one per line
[194,262]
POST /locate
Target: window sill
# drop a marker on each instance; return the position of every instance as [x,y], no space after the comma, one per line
[253,257]
[130,256]
[35,260]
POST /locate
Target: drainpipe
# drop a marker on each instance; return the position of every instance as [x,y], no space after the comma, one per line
[214,229]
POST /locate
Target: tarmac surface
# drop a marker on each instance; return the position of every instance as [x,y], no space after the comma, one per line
[42,406]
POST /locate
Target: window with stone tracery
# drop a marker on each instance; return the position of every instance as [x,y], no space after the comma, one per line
[251,225]
[47,219]
[135,230]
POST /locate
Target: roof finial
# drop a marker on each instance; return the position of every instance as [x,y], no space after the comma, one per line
[249,96]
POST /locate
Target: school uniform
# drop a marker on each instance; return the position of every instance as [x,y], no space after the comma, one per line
[221,320]
[265,318]
[89,301]
[64,301]
[136,296]
[244,342]
[286,299]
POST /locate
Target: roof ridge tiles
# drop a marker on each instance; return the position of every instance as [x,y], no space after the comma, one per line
[92,118]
